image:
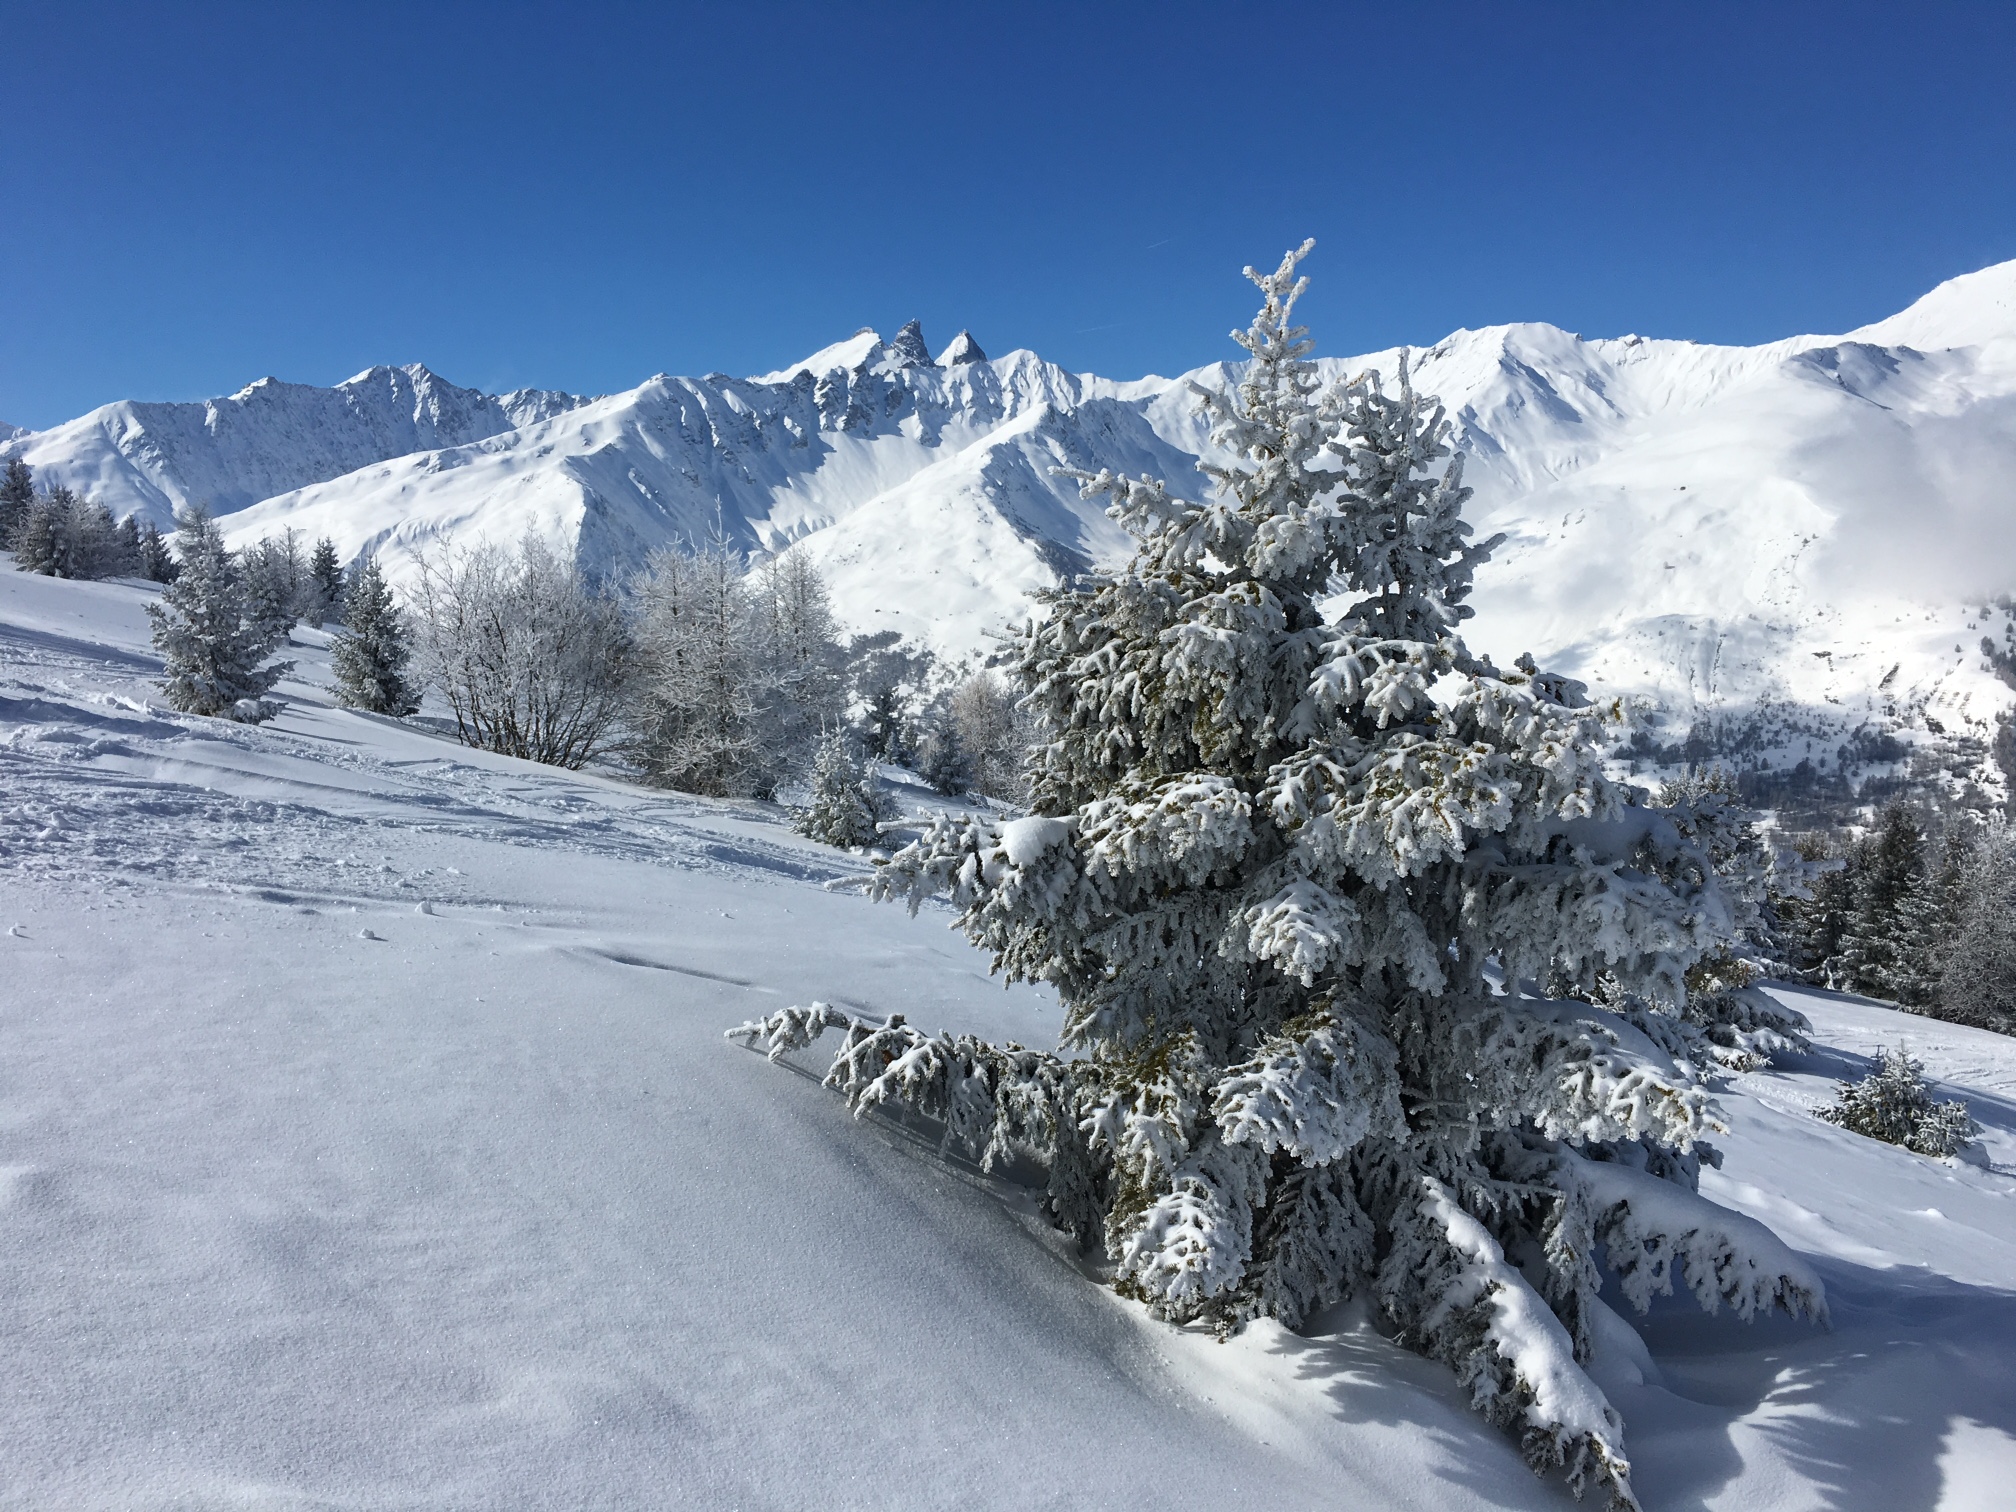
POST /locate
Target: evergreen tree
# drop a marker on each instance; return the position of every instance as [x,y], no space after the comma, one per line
[275,580]
[1816,924]
[370,653]
[845,801]
[701,685]
[1883,945]
[157,564]
[888,677]
[1893,1104]
[213,652]
[941,759]
[324,598]
[1278,870]
[17,495]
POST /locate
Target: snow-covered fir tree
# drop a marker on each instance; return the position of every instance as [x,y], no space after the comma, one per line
[324,596]
[214,653]
[941,756]
[63,535]
[275,579]
[845,804]
[1876,950]
[1893,1104]
[1294,881]
[17,497]
[369,655]
[157,562]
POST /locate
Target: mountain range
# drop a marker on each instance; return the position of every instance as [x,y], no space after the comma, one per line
[1788,552]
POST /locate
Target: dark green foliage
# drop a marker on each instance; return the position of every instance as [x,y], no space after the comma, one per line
[1893,927]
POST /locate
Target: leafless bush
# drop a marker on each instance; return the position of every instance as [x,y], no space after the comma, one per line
[529,659]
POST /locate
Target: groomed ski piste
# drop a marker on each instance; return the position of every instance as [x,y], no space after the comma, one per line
[369,1139]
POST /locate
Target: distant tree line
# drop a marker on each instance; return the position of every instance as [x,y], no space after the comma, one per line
[704,675]
[58,534]
[1920,911]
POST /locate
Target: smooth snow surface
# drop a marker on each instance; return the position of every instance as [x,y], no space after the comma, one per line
[368,1139]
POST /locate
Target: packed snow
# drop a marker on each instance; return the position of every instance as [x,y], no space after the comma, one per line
[369,1139]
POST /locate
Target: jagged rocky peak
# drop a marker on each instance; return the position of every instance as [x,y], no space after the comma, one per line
[964,349]
[907,345]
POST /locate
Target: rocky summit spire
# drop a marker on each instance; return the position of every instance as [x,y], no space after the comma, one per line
[908,347]
[963,349]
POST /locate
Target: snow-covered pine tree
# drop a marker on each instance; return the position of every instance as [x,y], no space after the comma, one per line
[1292,880]
[275,579]
[845,804]
[1816,924]
[324,597]
[941,757]
[157,563]
[17,497]
[1885,941]
[1893,1104]
[213,652]
[369,655]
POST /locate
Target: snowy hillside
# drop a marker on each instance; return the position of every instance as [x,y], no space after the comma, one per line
[266,439]
[1790,549]
[368,1139]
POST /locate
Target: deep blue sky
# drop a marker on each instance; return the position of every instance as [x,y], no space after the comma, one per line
[577,196]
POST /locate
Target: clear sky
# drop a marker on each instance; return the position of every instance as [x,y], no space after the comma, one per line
[577,196]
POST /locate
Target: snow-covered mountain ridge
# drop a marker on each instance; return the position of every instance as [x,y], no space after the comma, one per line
[267,438]
[1781,545]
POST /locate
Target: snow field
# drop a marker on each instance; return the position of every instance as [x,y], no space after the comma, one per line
[370,1140]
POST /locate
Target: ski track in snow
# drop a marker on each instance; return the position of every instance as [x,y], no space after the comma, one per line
[368,1140]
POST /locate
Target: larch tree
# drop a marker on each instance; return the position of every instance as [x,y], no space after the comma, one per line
[1295,881]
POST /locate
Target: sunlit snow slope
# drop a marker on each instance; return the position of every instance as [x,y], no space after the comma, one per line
[1791,549]
[368,1139]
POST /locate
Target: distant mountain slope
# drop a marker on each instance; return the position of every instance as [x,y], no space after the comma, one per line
[268,438]
[1791,549]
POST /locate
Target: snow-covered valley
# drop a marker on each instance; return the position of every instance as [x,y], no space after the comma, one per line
[369,1139]
[1793,551]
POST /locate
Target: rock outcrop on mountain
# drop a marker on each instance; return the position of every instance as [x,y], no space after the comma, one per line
[1793,552]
